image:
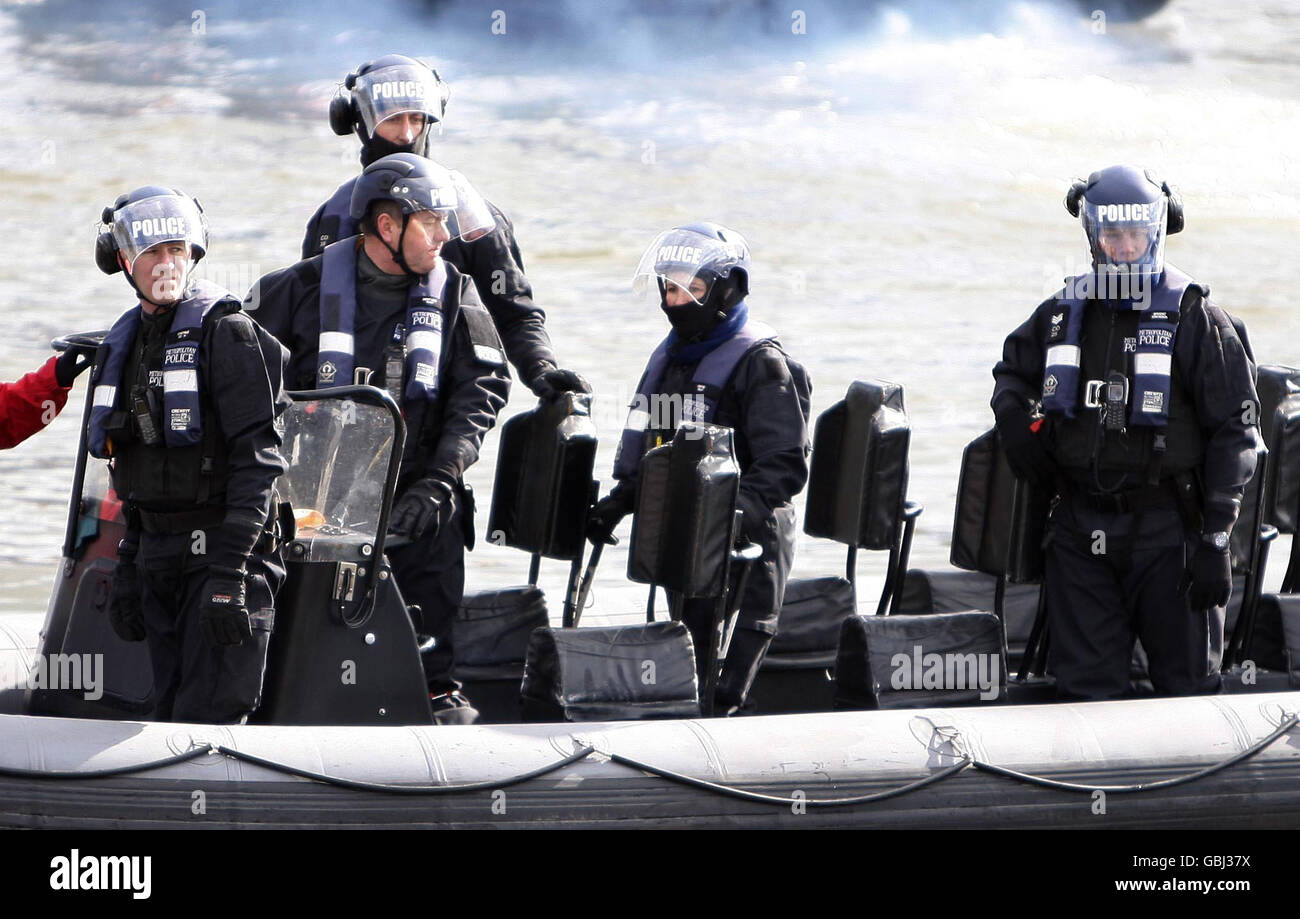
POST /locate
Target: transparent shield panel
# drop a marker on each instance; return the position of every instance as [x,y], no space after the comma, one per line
[338,452]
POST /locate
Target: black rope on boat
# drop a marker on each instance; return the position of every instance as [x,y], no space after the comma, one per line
[1284,727]
[16,773]
[732,791]
[966,760]
[582,752]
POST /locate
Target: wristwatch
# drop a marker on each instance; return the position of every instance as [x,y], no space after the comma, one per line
[1218,540]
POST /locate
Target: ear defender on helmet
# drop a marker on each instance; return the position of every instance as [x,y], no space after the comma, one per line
[1074,196]
[105,246]
[343,112]
[1174,219]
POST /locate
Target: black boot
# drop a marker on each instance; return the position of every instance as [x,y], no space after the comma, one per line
[744,655]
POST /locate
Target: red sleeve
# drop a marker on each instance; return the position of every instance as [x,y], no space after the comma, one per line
[25,404]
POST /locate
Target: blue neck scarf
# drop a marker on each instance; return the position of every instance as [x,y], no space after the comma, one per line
[689,352]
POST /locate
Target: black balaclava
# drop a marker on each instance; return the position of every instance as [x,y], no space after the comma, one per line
[377,147]
[694,321]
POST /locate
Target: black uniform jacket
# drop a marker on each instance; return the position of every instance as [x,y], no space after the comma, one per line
[494,262]
[242,383]
[1212,375]
[443,436]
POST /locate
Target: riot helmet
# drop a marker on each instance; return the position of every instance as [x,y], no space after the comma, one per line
[712,259]
[380,89]
[415,183]
[1126,213]
[146,217]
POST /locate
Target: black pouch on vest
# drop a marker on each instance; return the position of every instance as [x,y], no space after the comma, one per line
[685,509]
[483,335]
[812,613]
[991,531]
[916,661]
[491,630]
[610,674]
[858,480]
[543,478]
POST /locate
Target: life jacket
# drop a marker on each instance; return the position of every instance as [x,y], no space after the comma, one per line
[710,377]
[425,318]
[336,221]
[182,414]
[1149,384]
[1159,403]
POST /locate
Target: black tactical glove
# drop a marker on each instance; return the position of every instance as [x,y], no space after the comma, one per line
[422,508]
[1024,448]
[124,613]
[604,517]
[553,383]
[72,363]
[1210,577]
[223,609]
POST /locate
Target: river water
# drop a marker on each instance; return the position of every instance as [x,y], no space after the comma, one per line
[898,174]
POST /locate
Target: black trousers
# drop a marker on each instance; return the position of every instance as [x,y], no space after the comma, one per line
[760,608]
[431,574]
[1111,578]
[194,680]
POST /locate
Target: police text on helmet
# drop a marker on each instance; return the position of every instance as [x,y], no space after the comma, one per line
[398,89]
[159,226]
[1126,213]
[683,254]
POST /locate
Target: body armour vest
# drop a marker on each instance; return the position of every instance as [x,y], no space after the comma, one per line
[182,418]
[1085,345]
[711,375]
[335,359]
[177,472]
[1152,362]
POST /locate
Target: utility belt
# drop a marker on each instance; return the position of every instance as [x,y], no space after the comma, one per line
[199,518]
[1179,492]
[278,530]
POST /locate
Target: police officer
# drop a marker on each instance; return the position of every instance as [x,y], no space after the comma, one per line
[392,104]
[187,391]
[386,308]
[722,367]
[1148,398]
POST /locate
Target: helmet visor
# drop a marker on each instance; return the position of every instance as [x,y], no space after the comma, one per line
[472,218]
[143,224]
[1127,239]
[688,260]
[402,88]
[450,194]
